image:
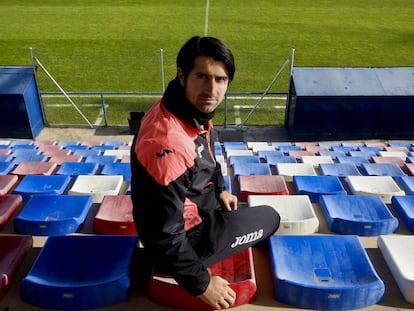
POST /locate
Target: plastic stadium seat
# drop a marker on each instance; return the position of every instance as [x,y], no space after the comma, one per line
[117,168]
[374,149]
[101,159]
[397,160]
[298,154]
[408,168]
[243,159]
[75,272]
[102,148]
[34,168]
[381,169]
[332,154]
[29,158]
[288,170]
[363,154]
[331,273]
[234,152]
[249,185]
[316,160]
[6,167]
[316,149]
[358,215]
[296,212]
[315,186]
[407,183]
[59,159]
[396,152]
[263,154]
[13,250]
[404,205]
[21,151]
[341,170]
[32,185]
[358,161]
[287,148]
[228,184]
[398,252]
[45,215]
[114,143]
[345,149]
[6,157]
[115,216]
[74,169]
[8,205]
[234,145]
[250,169]
[97,185]
[238,270]
[87,152]
[65,143]
[383,186]
[273,160]
[119,153]
[7,183]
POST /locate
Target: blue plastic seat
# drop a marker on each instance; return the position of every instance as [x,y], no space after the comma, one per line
[227,182]
[87,152]
[404,205]
[75,272]
[101,160]
[268,153]
[339,169]
[363,154]
[324,272]
[251,169]
[273,160]
[65,143]
[45,185]
[407,182]
[118,168]
[382,169]
[238,145]
[53,215]
[74,169]
[358,161]
[243,159]
[28,157]
[6,167]
[358,215]
[315,186]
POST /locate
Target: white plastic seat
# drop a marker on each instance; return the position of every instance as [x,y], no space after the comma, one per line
[398,252]
[296,212]
[97,185]
[383,186]
[288,170]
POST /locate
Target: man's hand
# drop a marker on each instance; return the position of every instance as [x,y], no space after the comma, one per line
[228,200]
[218,293]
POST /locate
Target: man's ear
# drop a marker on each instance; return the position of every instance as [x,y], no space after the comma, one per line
[180,75]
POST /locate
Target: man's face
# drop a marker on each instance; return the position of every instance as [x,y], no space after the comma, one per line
[206,83]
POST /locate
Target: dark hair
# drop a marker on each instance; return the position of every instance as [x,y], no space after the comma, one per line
[205,46]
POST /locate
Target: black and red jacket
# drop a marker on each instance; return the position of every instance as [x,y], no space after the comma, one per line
[174,187]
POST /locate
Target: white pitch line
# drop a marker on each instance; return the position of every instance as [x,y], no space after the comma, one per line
[206,17]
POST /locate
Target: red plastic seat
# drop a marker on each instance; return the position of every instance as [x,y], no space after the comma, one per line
[7,182]
[238,270]
[115,216]
[261,184]
[34,168]
[13,249]
[8,205]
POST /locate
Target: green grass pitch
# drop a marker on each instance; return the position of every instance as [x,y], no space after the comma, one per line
[91,45]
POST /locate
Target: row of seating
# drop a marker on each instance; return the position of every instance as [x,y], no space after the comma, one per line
[340,277]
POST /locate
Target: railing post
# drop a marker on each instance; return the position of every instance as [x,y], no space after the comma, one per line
[104,109]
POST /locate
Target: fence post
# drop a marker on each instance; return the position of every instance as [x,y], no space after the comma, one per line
[104,109]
